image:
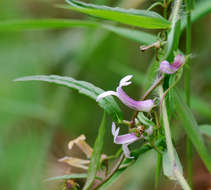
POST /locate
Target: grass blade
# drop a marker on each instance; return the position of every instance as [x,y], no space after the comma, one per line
[46,24]
[95,159]
[192,130]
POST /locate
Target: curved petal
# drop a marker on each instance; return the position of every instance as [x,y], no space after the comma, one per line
[144,106]
[127,138]
[179,60]
[165,67]
[104,94]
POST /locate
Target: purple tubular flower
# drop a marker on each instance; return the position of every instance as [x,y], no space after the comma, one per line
[168,68]
[124,140]
[127,139]
[144,106]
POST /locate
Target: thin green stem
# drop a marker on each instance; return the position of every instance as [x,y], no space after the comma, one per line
[189,147]
[158,169]
[170,148]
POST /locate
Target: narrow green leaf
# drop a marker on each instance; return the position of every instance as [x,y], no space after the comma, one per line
[14,25]
[40,24]
[192,130]
[88,89]
[168,170]
[136,35]
[146,121]
[95,159]
[71,176]
[139,18]
[205,129]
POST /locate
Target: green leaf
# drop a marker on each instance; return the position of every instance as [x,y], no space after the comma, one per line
[40,24]
[14,25]
[88,89]
[146,121]
[201,9]
[205,129]
[71,176]
[168,169]
[136,35]
[95,159]
[139,18]
[192,130]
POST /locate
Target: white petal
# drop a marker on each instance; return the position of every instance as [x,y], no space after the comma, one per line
[125,81]
[149,131]
[104,94]
[113,129]
[126,151]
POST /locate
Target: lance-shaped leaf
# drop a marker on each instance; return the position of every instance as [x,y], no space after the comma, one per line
[139,18]
[46,24]
[70,176]
[95,159]
[192,130]
[88,89]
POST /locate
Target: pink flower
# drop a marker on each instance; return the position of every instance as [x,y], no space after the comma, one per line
[144,106]
[127,139]
[168,68]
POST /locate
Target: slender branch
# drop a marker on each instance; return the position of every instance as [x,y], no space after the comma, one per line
[189,146]
[115,168]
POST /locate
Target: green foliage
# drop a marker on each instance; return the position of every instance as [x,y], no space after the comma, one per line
[192,130]
[40,24]
[139,18]
[83,87]
[70,176]
[96,155]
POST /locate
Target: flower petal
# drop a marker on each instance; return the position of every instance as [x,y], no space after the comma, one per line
[179,60]
[144,106]
[165,67]
[115,131]
[127,138]
[125,81]
[149,131]
[126,151]
[168,68]
[104,94]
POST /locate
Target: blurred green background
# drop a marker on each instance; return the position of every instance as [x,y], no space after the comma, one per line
[38,119]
